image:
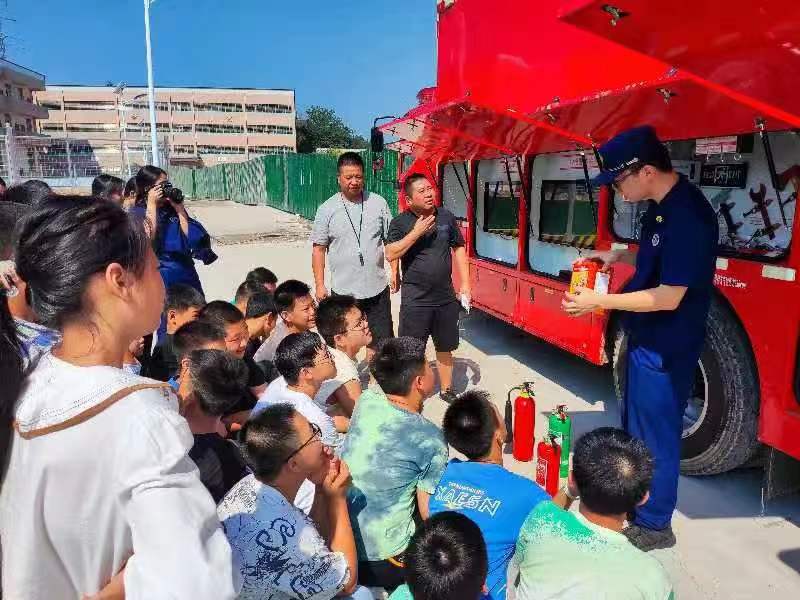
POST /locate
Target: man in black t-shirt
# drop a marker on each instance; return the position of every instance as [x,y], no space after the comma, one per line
[426,238]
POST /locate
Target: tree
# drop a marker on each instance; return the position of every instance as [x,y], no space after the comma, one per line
[321,127]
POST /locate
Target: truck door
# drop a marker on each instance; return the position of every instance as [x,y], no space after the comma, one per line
[496,234]
[562,228]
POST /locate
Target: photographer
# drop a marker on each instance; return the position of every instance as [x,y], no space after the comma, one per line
[178,240]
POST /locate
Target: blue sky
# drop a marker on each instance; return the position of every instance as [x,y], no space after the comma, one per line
[362,58]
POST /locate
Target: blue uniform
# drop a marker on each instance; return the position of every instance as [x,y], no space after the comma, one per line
[677,247]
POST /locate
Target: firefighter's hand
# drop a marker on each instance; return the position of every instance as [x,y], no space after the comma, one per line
[581,302]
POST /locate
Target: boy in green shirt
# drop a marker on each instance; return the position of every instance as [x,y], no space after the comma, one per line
[581,555]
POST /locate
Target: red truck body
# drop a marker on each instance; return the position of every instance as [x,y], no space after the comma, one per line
[525,93]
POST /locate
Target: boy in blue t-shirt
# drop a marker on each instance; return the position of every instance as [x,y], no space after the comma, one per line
[496,499]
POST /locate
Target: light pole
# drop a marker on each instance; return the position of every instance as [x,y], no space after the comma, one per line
[150,89]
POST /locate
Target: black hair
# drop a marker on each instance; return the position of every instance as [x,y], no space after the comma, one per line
[349,159]
[297,351]
[289,291]
[411,180]
[183,297]
[268,439]
[660,160]
[397,362]
[446,559]
[221,314]
[105,185]
[470,423]
[2,182]
[247,288]
[331,314]
[130,187]
[146,178]
[10,214]
[62,242]
[30,192]
[612,471]
[219,380]
[263,276]
[194,335]
[259,305]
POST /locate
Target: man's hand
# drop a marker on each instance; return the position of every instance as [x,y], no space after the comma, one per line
[9,280]
[394,282]
[321,292]
[338,479]
[581,302]
[137,347]
[424,225]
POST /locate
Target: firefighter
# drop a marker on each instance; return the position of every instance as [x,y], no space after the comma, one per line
[666,304]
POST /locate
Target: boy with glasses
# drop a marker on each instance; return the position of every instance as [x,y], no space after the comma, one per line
[346,331]
[278,551]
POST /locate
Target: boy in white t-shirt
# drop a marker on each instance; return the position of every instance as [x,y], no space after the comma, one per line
[346,331]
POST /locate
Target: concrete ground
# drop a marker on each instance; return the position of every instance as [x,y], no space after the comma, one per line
[729,547]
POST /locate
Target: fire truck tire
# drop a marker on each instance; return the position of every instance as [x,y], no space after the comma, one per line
[725,434]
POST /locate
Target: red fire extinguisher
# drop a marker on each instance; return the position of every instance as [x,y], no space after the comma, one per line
[520,421]
[548,464]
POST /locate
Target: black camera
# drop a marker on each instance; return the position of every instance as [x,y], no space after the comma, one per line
[173,193]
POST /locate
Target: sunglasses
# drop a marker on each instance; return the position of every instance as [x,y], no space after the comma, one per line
[316,434]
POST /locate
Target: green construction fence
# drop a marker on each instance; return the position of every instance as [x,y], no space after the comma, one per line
[296,183]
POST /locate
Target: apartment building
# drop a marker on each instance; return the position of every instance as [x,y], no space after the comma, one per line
[198,125]
[17,106]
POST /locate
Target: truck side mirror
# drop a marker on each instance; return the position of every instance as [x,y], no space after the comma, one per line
[376,140]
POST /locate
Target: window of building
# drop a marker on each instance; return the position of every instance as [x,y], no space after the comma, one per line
[91,127]
[181,128]
[50,105]
[181,106]
[268,108]
[270,149]
[220,149]
[89,105]
[21,93]
[28,125]
[8,90]
[277,129]
[52,127]
[214,128]
[145,105]
[219,106]
[180,149]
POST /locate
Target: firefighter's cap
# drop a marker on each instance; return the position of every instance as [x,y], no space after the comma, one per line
[639,145]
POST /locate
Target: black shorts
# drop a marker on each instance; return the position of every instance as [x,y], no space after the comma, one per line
[378,311]
[439,322]
[388,574]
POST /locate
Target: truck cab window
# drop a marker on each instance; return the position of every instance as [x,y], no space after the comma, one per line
[499,190]
[562,215]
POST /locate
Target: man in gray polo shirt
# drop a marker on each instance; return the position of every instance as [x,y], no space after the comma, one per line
[349,230]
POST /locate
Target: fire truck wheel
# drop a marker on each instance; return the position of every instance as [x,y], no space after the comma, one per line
[721,419]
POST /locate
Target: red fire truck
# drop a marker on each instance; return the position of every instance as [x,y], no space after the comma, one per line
[525,93]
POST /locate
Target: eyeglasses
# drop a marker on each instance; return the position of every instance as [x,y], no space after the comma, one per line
[618,182]
[316,434]
[326,356]
[362,324]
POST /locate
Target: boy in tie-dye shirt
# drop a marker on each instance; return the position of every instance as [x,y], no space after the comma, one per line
[396,458]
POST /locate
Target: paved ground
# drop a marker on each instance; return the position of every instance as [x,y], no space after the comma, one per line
[728,546]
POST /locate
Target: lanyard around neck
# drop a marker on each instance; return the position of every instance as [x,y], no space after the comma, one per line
[352,225]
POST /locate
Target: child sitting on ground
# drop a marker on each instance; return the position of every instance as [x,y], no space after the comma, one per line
[196,335]
[212,381]
[261,316]
[446,559]
[183,305]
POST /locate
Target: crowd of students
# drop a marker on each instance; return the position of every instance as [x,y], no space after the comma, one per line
[250,455]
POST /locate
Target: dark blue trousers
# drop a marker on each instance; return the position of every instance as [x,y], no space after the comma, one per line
[656,394]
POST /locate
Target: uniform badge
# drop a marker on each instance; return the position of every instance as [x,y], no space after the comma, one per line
[659,219]
[656,239]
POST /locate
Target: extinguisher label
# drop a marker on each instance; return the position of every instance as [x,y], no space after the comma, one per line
[541,472]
